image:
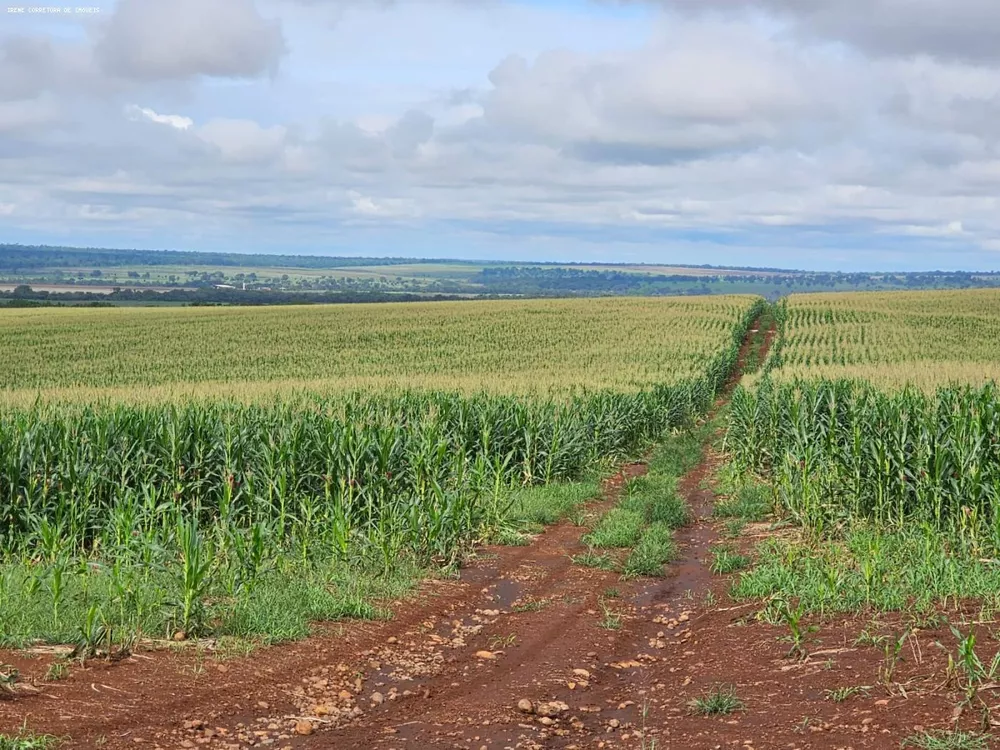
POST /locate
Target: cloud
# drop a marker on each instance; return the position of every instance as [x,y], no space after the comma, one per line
[700,90]
[244,140]
[154,40]
[28,116]
[26,66]
[964,30]
[755,128]
[412,130]
[136,113]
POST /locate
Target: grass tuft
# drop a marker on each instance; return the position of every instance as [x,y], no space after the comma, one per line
[946,740]
[721,701]
[726,559]
[655,549]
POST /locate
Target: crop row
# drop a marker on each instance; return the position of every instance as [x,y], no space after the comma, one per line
[838,451]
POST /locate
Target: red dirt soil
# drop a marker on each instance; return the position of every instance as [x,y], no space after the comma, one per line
[604,663]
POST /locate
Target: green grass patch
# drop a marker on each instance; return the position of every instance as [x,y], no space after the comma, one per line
[534,507]
[918,570]
[619,527]
[679,453]
[25,740]
[114,603]
[656,547]
[650,509]
[750,502]
[592,559]
[946,740]
[727,559]
[721,701]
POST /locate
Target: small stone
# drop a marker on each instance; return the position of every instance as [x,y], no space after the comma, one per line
[487,655]
[525,706]
[614,723]
[552,708]
[180,635]
[263,704]
[303,727]
[545,721]
[392,639]
[582,673]
[377,699]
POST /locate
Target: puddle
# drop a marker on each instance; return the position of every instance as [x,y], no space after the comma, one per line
[504,593]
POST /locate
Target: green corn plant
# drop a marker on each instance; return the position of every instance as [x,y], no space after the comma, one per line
[92,634]
[798,632]
[194,578]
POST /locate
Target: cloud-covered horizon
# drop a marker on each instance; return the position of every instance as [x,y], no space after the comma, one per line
[805,133]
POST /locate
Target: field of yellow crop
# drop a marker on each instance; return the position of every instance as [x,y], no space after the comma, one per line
[503,347]
[927,339]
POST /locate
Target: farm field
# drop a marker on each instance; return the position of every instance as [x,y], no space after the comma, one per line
[800,561]
[533,346]
[218,499]
[925,339]
[874,432]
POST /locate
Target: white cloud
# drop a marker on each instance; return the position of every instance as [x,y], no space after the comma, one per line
[243,140]
[157,40]
[137,113]
[29,116]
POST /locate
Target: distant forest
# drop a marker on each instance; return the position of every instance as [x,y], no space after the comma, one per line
[103,276]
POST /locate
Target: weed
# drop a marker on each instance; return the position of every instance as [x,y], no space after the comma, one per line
[733,528]
[721,701]
[498,642]
[25,740]
[58,670]
[8,679]
[891,650]
[235,647]
[619,527]
[726,559]
[868,638]
[839,695]
[592,559]
[946,740]
[611,619]
[654,550]
[968,670]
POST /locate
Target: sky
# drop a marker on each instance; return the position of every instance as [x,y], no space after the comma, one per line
[817,134]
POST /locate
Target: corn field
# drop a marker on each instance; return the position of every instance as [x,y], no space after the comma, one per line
[891,448]
[923,339]
[525,347]
[221,515]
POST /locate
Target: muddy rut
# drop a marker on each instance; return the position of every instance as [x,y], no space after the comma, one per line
[525,650]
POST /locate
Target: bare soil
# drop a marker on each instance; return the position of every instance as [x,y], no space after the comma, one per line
[594,661]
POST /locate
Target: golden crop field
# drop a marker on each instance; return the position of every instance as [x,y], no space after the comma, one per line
[503,347]
[926,338]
